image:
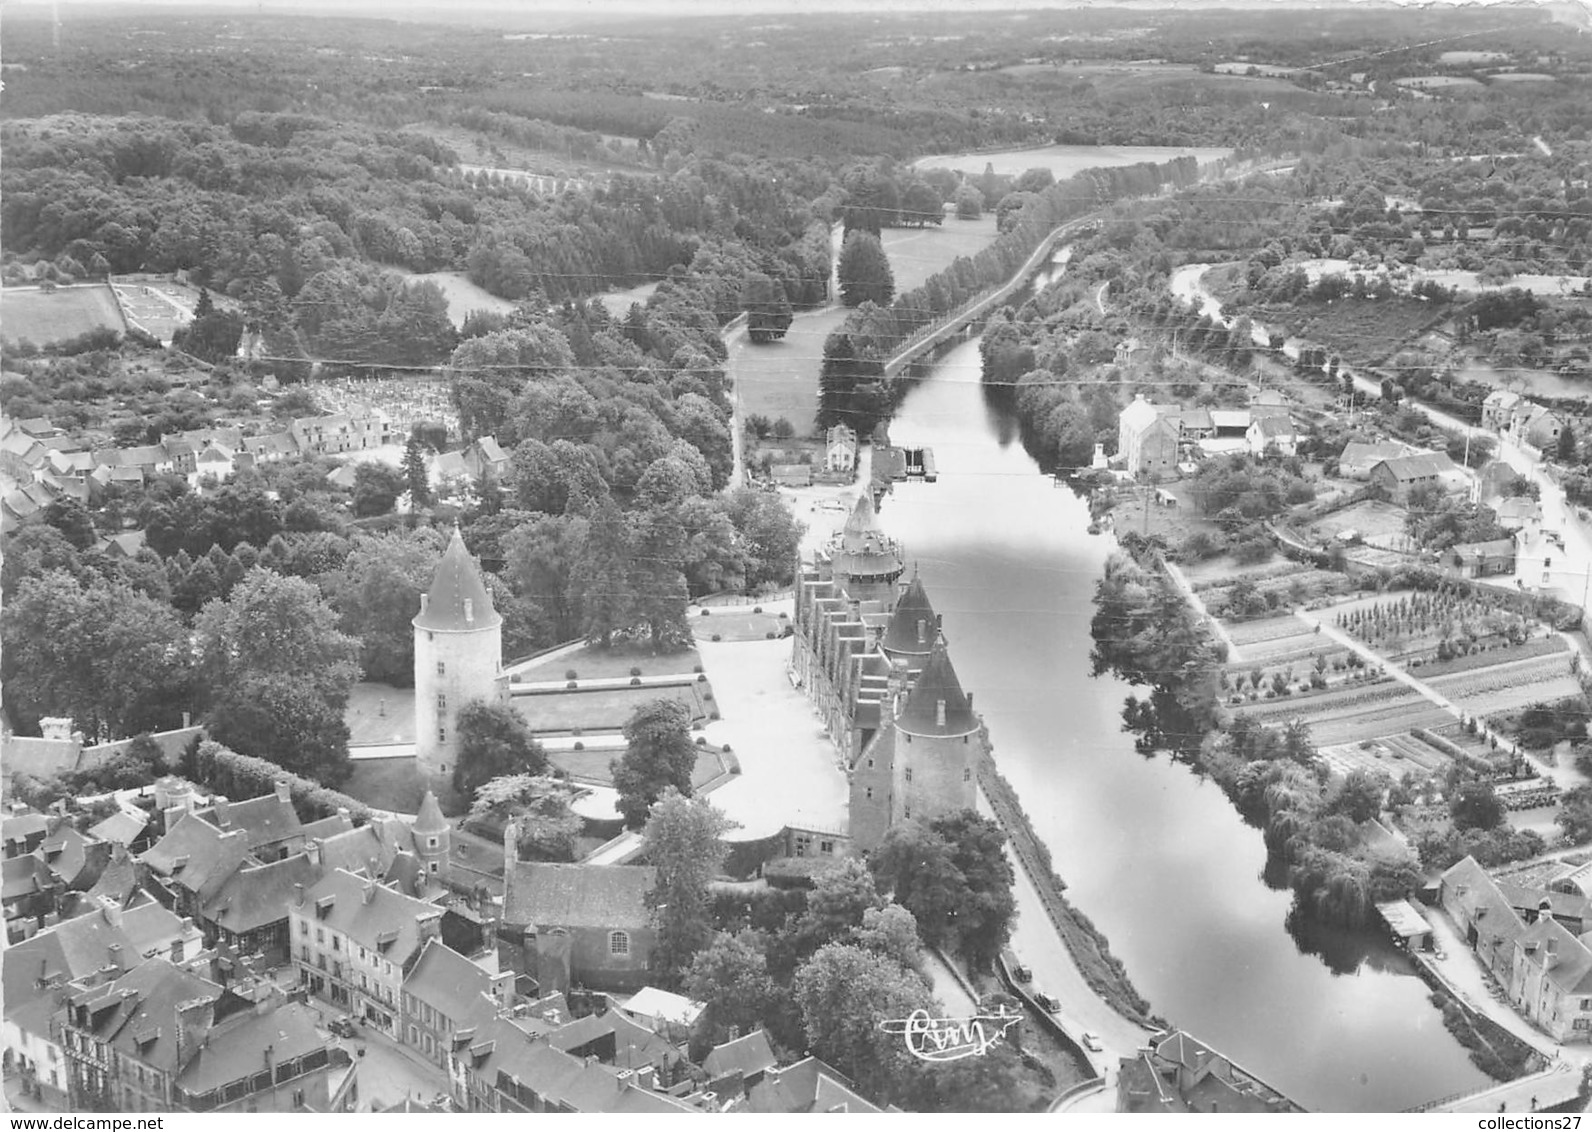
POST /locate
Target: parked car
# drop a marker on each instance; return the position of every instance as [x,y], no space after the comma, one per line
[1047,1001]
[1090,1042]
[343,1026]
[1020,973]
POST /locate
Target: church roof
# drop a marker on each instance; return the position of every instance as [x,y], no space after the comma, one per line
[937,684]
[862,547]
[430,819]
[903,635]
[458,599]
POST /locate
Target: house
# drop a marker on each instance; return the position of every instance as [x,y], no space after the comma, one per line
[1551,980]
[1481,559]
[810,1085]
[1537,426]
[1482,914]
[102,944]
[1519,513]
[1402,475]
[449,465]
[125,545]
[339,432]
[446,993]
[613,1038]
[212,462]
[1179,1074]
[180,1042]
[840,449]
[1272,435]
[21,456]
[1146,441]
[343,476]
[1358,457]
[662,1011]
[569,924]
[1128,351]
[271,448]
[355,940]
[749,1057]
[485,457]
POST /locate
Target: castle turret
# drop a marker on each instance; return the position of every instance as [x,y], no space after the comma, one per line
[866,563]
[914,628]
[458,654]
[937,745]
[432,835]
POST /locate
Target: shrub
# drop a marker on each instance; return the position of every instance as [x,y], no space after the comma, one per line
[716,637]
[714,714]
[770,635]
[757,609]
[579,746]
[635,670]
[696,668]
[635,681]
[702,677]
[784,616]
[701,741]
[725,748]
[571,674]
[705,612]
[572,684]
[707,697]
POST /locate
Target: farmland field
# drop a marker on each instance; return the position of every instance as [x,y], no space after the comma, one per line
[1352,713]
[44,317]
[1511,685]
[1063,160]
[1366,331]
[1437,82]
[1398,755]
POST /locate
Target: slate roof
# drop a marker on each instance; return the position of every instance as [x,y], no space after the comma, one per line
[390,916]
[1417,467]
[902,636]
[577,896]
[450,983]
[490,450]
[665,1006]
[808,1086]
[747,1056]
[24,827]
[1273,427]
[862,547]
[1497,549]
[77,859]
[1571,969]
[457,580]
[1502,399]
[246,1044]
[122,828]
[80,946]
[23,876]
[197,855]
[449,464]
[327,827]
[137,1014]
[937,682]
[633,1044]
[264,820]
[257,895]
[430,819]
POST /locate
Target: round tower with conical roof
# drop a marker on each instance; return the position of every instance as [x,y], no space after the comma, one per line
[432,838]
[913,630]
[866,563]
[937,745]
[458,654]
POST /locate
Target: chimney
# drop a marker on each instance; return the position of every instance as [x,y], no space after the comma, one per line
[939,713]
[343,815]
[969,697]
[312,851]
[112,911]
[370,891]
[118,851]
[923,628]
[429,927]
[113,952]
[187,720]
[1553,953]
[221,807]
[469,611]
[284,792]
[298,896]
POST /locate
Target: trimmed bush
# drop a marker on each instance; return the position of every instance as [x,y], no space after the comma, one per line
[701,741]
[635,681]
[716,637]
[696,668]
[769,636]
[757,609]
[579,746]
[572,684]
[635,670]
[702,677]
[571,674]
[705,612]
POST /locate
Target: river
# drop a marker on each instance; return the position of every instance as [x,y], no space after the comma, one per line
[1156,856]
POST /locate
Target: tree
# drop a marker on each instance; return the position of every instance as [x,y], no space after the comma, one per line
[1476,806]
[416,475]
[840,898]
[844,992]
[1360,796]
[684,841]
[71,518]
[275,625]
[769,535]
[1575,815]
[658,755]
[865,274]
[1565,447]
[730,978]
[493,741]
[768,312]
[602,576]
[539,805]
[377,488]
[285,719]
[376,592]
[969,202]
[953,876]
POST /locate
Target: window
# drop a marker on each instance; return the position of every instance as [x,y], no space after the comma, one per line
[435,867]
[867,792]
[304,927]
[364,981]
[967,774]
[618,943]
[320,935]
[442,701]
[909,774]
[826,847]
[442,669]
[298,1098]
[304,953]
[414,1035]
[870,764]
[431,843]
[908,811]
[442,734]
[337,942]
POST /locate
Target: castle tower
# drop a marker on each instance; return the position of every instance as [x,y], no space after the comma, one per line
[914,628]
[866,563]
[937,745]
[458,654]
[431,832]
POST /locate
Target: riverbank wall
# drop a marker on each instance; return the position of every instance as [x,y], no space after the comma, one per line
[1493,1049]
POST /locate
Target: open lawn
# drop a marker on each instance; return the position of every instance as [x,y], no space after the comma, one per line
[398,785]
[603,709]
[593,766]
[379,714]
[592,662]
[45,317]
[463,296]
[1372,519]
[738,623]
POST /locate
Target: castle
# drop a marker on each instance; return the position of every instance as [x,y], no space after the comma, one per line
[871,657]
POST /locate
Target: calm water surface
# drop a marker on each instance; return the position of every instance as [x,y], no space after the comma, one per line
[1154,855]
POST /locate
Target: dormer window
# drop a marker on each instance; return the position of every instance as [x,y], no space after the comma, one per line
[618,943]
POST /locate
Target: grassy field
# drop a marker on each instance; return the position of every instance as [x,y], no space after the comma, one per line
[463,296]
[43,317]
[593,766]
[1367,331]
[603,709]
[594,663]
[738,623]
